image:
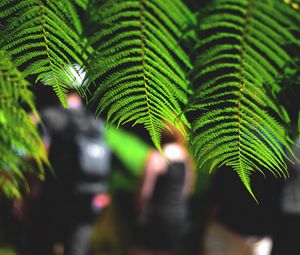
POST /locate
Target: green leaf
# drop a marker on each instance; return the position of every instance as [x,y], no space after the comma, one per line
[141,63]
[43,38]
[242,54]
[19,137]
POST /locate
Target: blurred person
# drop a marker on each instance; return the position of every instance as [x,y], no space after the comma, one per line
[114,231]
[75,193]
[162,199]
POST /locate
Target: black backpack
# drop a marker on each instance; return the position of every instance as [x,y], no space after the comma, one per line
[79,154]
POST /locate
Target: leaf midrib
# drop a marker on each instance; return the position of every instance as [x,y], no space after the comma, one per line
[242,83]
[43,24]
[142,26]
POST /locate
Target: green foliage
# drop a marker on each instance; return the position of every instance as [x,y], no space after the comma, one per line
[19,139]
[131,152]
[243,50]
[141,63]
[6,251]
[43,37]
[82,3]
[140,68]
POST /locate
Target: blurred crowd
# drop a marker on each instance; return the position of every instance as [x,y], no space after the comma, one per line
[120,196]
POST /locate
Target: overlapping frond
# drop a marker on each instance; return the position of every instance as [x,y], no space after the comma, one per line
[244,46]
[20,143]
[43,37]
[82,3]
[141,64]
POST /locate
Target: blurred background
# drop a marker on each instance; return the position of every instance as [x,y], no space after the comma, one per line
[222,217]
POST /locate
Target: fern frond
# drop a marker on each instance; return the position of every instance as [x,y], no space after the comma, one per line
[242,53]
[293,4]
[141,64]
[19,138]
[43,37]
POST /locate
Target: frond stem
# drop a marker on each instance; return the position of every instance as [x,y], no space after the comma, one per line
[142,21]
[241,70]
[43,24]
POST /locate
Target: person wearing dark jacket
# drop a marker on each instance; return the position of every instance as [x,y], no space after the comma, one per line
[75,193]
